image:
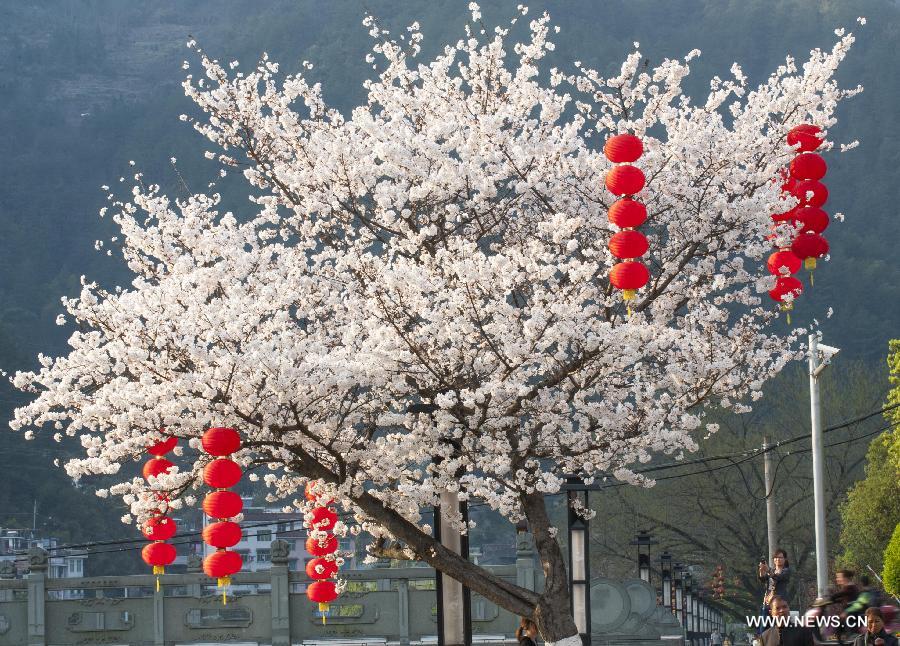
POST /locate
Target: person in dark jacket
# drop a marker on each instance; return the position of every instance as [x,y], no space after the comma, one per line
[875,634]
[788,634]
[527,632]
[775,578]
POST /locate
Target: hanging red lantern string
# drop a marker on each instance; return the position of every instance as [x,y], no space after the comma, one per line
[159,527]
[800,181]
[323,545]
[221,506]
[625,180]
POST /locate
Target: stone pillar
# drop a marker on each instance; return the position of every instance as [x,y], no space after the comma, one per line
[403,610]
[37,562]
[159,623]
[195,567]
[280,594]
[524,561]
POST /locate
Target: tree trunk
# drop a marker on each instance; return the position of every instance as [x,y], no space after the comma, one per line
[553,614]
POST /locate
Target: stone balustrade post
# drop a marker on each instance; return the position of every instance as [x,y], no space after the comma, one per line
[37,594]
[280,594]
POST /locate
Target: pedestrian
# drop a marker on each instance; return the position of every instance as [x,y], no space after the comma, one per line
[775,579]
[875,634]
[783,631]
[527,632]
[715,639]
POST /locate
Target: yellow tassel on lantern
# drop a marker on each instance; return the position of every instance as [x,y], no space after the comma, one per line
[323,608]
[223,582]
[809,264]
[787,307]
[157,570]
[629,294]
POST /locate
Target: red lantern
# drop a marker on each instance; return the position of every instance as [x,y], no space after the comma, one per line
[159,555]
[163,446]
[783,259]
[810,192]
[159,528]
[809,246]
[221,441]
[785,285]
[221,565]
[323,548]
[627,213]
[155,467]
[811,219]
[785,216]
[623,148]
[221,473]
[625,180]
[629,277]
[628,244]
[807,135]
[328,568]
[808,166]
[222,534]
[323,518]
[323,593]
[222,504]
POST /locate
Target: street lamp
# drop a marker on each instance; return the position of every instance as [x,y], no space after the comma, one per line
[819,357]
[643,542]
[688,618]
[579,563]
[665,569]
[678,601]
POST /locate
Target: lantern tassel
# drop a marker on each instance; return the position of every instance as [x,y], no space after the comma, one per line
[223,582]
[323,608]
[157,570]
[811,282]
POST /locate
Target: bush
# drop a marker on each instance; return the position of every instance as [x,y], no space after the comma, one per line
[891,573]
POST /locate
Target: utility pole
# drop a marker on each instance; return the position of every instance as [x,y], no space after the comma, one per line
[817,364]
[771,519]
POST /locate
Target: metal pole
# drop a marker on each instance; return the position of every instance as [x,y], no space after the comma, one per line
[818,460]
[451,600]
[771,518]
[578,568]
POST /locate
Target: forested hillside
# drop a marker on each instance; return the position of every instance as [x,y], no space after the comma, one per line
[87,86]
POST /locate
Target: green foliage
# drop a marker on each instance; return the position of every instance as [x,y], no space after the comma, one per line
[870,513]
[891,573]
[894,400]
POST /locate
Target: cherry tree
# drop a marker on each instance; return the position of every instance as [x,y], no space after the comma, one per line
[417,299]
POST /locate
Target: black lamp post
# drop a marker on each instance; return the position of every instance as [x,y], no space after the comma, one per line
[665,569]
[678,600]
[643,543]
[688,616]
[579,562]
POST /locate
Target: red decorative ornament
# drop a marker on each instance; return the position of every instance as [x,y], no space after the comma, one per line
[783,259]
[222,473]
[159,555]
[809,247]
[627,213]
[628,244]
[784,286]
[322,548]
[222,534]
[808,166]
[807,136]
[625,180]
[159,528]
[629,277]
[323,593]
[623,148]
[323,518]
[314,497]
[155,467]
[785,216]
[811,219]
[163,446]
[221,441]
[328,568]
[222,504]
[810,192]
[221,565]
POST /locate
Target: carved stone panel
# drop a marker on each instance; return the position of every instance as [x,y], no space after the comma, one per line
[204,618]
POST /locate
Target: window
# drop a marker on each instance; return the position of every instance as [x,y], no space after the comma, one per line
[282,527]
[264,535]
[292,564]
[263,556]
